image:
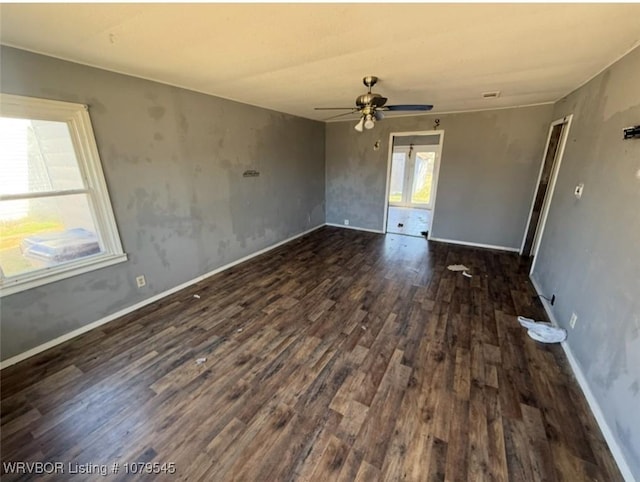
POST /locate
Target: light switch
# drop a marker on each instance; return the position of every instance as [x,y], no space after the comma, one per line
[578,191]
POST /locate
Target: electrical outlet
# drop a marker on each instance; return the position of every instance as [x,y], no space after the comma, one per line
[346,222]
[140,281]
[572,321]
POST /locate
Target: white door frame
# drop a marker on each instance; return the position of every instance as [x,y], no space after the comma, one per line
[436,172]
[542,221]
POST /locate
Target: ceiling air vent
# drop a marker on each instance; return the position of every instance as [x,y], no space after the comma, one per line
[491,95]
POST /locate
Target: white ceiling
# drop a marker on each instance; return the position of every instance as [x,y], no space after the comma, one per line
[293,57]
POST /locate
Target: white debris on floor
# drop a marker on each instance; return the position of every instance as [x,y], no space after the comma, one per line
[196,296]
[460,267]
[200,361]
[543,331]
[457,267]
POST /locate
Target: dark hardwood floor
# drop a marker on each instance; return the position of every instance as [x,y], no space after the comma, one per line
[341,356]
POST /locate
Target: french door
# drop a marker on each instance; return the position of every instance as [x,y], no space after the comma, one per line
[412,176]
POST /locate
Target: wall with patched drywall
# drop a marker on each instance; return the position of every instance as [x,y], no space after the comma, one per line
[589,256]
[173,161]
[488,171]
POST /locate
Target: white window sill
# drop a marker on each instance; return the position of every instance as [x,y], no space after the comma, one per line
[10,286]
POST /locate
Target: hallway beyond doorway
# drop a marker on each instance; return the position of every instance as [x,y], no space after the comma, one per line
[414,221]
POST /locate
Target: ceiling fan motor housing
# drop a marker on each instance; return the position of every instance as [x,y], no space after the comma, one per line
[367,103]
[371,99]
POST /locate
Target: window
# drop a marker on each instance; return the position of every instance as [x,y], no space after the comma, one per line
[56,219]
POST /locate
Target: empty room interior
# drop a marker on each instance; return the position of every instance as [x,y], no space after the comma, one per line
[349,242]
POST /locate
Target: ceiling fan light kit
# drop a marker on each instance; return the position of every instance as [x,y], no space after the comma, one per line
[371,106]
[368,122]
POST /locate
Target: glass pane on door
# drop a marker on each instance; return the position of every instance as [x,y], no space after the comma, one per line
[396,185]
[423,178]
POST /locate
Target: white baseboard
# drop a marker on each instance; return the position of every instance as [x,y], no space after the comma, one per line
[83,329]
[612,442]
[355,228]
[475,245]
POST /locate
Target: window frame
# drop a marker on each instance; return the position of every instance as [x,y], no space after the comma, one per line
[76,116]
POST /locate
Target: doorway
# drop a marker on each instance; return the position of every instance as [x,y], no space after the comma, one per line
[412,182]
[549,169]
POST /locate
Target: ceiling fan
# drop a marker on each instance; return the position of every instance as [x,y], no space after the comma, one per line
[371,106]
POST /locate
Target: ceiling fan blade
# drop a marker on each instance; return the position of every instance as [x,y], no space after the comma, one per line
[342,115]
[408,107]
[333,108]
[379,101]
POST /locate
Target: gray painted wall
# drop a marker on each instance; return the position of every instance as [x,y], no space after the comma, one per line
[590,251]
[489,167]
[173,160]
